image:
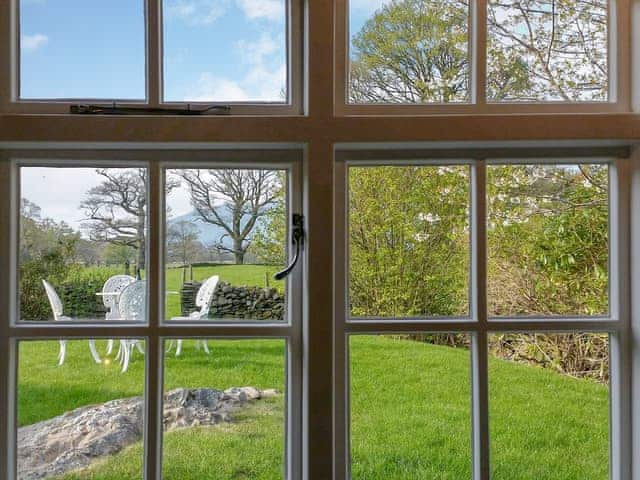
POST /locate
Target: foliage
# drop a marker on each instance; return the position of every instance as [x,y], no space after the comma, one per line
[79,288]
[45,247]
[548,240]
[76,285]
[574,354]
[50,266]
[412,51]
[408,241]
[417,51]
[547,249]
[547,50]
[268,243]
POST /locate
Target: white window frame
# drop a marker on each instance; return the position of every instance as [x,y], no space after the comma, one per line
[156,330]
[619,54]
[10,101]
[479,325]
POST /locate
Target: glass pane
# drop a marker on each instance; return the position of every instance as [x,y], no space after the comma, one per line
[82,49]
[549,406]
[544,50]
[224,411]
[411,51]
[79,414]
[409,241]
[410,407]
[225,51]
[83,248]
[226,236]
[548,236]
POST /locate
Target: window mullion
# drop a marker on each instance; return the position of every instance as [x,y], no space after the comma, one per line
[154,387]
[154,52]
[479,354]
[620,342]
[478,49]
[341,370]
[7,448]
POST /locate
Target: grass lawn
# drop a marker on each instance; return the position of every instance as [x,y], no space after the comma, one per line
[410,412]
[239,275]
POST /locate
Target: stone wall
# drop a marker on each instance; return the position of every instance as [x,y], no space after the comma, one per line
[230,301]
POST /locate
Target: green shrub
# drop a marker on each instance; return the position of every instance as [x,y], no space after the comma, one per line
[33,299]
[76,285]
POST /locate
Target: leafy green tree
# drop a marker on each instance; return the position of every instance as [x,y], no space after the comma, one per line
[408,240]
[417,51]
[412,51]
[45,249]
[548,240]
[269,238]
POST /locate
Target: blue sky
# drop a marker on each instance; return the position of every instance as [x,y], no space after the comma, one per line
[222,50]
[215,50]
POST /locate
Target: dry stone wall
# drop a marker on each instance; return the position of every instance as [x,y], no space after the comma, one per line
[230,301]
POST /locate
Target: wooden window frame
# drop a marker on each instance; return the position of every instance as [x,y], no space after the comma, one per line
[11,102]
[618,73]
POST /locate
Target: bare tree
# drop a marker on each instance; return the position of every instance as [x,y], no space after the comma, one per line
[234,200]
[182,241]
[116,210]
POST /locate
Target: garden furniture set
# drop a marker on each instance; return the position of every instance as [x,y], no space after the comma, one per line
[125,300]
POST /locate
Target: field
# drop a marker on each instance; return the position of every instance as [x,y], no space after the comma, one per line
[410,408]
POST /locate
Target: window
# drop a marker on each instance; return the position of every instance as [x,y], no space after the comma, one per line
[101,221]
[68,50]
[548,238]
[402,221]
[219,364]
[547,51]
[319,375]
[409,52]
[485,57]
[543,346]
[244,56]
[217,52]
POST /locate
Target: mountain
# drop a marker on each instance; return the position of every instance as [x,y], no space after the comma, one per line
[208,233]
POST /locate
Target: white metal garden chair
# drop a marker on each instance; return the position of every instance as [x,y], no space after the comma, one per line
[111,291]
[56,307]
[203,301]
[132,307]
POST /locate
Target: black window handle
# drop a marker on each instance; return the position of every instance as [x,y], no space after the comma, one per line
[297,238]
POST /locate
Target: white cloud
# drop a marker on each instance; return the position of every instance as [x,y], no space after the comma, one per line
[30,43]
[268,9]
[256,52]
[196,12]
[213,88]
[262,82]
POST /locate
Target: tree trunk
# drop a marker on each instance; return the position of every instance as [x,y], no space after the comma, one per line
[142,251]
[238,252]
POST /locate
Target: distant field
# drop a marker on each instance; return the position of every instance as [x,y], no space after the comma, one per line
[248,275]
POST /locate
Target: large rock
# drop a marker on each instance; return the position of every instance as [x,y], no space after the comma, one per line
[77,438]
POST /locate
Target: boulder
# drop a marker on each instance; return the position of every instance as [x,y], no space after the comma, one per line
[77,438]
